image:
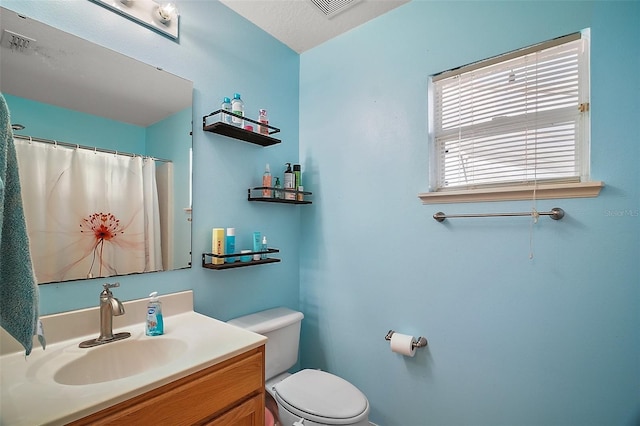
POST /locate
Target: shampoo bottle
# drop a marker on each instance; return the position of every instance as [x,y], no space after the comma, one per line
[257,245]
[217,245]
[154,325]
[237,108]
[297,183]
[226,106]
[266,182]
[289,181]
[297,176]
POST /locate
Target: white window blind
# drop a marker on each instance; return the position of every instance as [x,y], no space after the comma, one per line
[519,118]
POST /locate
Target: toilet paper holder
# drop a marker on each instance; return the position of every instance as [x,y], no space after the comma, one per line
[419,343]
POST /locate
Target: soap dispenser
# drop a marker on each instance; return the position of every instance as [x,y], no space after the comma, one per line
[277,186]
[289,183]
[154,325]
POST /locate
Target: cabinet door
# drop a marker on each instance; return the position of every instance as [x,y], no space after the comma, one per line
[249,413]
[195,398]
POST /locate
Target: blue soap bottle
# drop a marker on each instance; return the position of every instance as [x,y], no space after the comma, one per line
[154,325]
[257,245]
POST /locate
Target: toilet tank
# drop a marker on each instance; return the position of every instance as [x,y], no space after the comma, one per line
[282,328]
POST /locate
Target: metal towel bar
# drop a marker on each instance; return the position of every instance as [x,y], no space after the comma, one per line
[555,213]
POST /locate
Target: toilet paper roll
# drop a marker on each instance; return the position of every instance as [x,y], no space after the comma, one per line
[403,344]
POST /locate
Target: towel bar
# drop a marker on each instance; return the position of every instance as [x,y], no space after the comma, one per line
[555,213]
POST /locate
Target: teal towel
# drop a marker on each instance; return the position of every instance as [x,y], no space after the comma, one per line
[18,288]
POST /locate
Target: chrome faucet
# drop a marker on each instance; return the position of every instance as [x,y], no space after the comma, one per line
[109,307]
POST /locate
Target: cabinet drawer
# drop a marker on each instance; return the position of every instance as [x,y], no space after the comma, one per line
[192,399]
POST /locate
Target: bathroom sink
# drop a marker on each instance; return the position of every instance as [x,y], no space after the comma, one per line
[118,360]
[65,383]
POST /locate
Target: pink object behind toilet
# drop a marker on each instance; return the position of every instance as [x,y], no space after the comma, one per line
[268,418]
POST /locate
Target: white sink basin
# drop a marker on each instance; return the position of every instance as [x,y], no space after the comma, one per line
[120,359]
[68,382]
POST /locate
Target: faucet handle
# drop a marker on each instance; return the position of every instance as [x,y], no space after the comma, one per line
[108,286]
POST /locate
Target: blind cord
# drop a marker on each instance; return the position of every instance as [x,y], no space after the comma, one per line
[534,219]
[534,211]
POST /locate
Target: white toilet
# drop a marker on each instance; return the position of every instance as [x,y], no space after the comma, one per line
[308,397]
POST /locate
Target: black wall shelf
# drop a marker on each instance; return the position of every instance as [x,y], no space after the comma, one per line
[222,128]
[238,263]
[272,199]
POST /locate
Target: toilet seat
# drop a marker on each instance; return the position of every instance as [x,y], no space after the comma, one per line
[323,398]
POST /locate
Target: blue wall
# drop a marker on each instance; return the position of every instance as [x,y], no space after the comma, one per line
[51,122]
[552,340]
[221,53]
[512,341]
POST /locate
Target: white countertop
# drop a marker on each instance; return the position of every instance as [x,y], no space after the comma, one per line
[30,396]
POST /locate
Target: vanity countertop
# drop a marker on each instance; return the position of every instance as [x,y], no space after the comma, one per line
[29,395]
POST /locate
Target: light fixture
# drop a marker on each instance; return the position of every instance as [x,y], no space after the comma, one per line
[166,12]
[159,15]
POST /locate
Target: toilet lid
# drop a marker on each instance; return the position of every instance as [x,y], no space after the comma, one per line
[321,396]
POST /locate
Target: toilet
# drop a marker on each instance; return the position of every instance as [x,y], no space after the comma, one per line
[308,397]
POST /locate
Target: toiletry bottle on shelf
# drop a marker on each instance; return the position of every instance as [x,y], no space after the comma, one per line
[266,182]
[277,186]
[263,247]
[155,324]
[262,118]
[289,181]
[217,245]
[226,106]
[257,245]
[230,245]
[297,181]
[237,108]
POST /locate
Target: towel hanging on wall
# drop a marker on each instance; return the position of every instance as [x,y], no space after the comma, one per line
[18,288]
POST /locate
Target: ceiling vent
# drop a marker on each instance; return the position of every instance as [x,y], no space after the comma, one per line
[331,8]
[17,42]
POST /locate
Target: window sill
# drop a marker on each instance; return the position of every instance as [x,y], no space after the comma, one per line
[543,192]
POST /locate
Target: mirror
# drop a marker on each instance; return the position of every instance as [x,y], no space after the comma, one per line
[86,218]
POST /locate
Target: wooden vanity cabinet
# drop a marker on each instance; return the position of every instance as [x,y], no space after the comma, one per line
[230,393]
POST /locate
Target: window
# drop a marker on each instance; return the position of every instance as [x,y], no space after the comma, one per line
[519,119]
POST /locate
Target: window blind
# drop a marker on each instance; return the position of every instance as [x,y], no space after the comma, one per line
[517,118]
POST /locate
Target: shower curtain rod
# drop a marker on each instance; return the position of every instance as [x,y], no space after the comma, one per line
[555,213]
[89,148]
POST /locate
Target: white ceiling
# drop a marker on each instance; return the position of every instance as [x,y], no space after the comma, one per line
[297,23]
[61,69]
[301,25]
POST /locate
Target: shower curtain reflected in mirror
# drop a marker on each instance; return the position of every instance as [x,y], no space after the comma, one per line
[89,214]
